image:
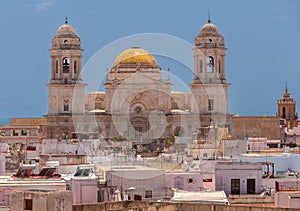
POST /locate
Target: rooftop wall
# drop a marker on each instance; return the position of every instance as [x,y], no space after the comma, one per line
[256,126]
[162,206]
[64,159]
[27,121]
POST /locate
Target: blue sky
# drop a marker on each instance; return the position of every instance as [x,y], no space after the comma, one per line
[262,38]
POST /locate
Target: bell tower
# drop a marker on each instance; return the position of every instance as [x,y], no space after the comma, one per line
[209,86]
[287,109]
[66,88]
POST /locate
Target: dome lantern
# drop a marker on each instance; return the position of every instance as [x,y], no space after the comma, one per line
[209,37]
[66,38]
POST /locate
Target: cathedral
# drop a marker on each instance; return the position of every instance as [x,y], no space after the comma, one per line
[137,104]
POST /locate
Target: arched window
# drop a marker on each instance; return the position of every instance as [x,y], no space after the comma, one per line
[66,104]
[75,66]
[283,112]
[210,104]
[56,66]
[66,65]
[98,103]
[174,104]
[138,132]
[201,66]
[210,64]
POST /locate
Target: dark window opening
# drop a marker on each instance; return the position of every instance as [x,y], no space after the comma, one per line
[210,104]
[138,110]
[66,105]
[148,193]
[219,66]
[15,133]
[235,186]
[190,181]
[75,66]
[31,148]
[23,132]
[210,64]
[201,66]
[66,81]
[56,66]
[283,112]
[66,65]
[250,186]
[28,204]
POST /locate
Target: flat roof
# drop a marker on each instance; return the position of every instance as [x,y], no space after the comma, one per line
[218,197]
[128,168]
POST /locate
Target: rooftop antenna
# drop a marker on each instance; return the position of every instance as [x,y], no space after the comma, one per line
[208,11]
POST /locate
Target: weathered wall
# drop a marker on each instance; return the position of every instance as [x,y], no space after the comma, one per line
[42,200]
[250,199]
[84,190]
[162,206]
[256,126]
[63,159]
[288,199]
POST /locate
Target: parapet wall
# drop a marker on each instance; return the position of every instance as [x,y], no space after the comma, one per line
[166,206]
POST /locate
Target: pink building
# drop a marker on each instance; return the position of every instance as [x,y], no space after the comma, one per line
[238,177]
[188,181]
[287,199]
[147,182]
[84,190]
[25,180]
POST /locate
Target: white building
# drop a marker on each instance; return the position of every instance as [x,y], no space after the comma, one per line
[238,177]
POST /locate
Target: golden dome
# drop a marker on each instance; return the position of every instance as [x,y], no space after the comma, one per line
[135,55]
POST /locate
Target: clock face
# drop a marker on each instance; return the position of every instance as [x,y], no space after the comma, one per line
[52,100]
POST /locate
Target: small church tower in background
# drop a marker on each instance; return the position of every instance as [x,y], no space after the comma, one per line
[287,109]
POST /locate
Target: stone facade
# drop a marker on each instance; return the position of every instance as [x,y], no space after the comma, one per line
[41,200]
[256,126]
[209,86]
[24,129]
[165,206]
[137,103]
[287,110]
